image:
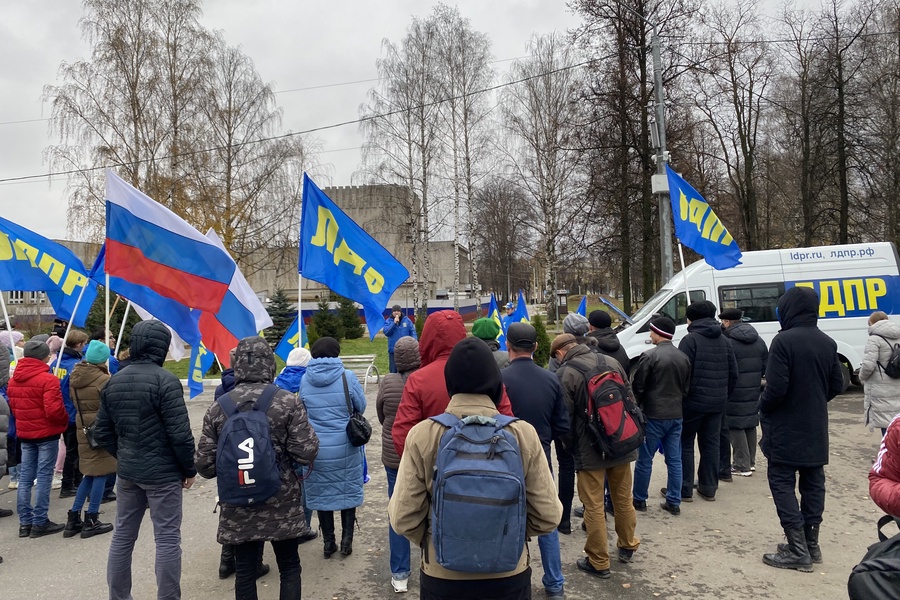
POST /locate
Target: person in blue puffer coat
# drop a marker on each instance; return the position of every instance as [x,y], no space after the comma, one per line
[336,479]
[395,327]
[76,340]
[295,367]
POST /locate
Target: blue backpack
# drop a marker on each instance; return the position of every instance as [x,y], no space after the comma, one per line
[247,470]
[478,498]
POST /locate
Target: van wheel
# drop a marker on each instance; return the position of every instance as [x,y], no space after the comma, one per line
[845,372]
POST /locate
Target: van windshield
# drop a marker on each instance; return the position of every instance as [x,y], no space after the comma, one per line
[649,307]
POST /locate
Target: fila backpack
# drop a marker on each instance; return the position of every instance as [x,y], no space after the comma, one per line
[246,465]
[478,497]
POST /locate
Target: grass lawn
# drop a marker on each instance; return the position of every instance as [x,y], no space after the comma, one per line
[348,347]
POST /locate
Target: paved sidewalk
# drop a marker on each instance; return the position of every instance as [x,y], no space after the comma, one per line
[713,550]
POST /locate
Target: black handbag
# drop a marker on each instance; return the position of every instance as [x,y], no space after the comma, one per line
[358,429]
[89,430]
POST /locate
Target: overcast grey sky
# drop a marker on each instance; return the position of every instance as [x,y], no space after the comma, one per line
[293,44]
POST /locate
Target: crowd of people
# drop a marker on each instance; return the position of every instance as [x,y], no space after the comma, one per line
[279,448]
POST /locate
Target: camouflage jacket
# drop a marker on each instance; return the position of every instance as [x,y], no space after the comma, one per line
[280,517]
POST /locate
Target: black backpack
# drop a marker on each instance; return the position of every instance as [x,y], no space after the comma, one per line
[613,422]
[877,577]
[892,367]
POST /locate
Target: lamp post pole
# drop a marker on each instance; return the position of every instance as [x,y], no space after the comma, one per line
[661,184]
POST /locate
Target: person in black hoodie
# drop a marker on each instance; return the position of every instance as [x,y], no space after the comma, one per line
[742,414]
[713,377]
[144,423]
[803,373]
[600,329]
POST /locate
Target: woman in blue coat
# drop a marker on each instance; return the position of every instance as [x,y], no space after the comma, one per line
[336,479]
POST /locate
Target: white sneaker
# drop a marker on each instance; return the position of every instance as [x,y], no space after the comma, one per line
[741,473]
[400,585]
[57,482]
[13,485]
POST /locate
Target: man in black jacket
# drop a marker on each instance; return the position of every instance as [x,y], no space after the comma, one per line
[713,377]
[742,414]
[802,375]
[536,398]
[144,423]
[660,383]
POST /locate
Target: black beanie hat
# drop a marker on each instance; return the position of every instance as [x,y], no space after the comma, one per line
[698,310]
[325,347]
[600,319]
[472,369]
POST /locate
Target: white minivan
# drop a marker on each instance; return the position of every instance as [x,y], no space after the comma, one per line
[852,281]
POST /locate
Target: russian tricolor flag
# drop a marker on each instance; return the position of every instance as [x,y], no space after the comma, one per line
[240,315]
[149,245]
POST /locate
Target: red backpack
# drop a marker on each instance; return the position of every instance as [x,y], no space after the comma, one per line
[613,422]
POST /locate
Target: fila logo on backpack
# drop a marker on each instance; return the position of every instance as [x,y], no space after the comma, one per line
[246,464]
[613,422]
[478,498]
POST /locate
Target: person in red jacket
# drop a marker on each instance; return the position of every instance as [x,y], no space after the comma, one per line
[884,478]
[41,417]
[425,393]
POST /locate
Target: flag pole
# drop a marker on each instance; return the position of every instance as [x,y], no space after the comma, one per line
[299,310]
[122,328]
[8,326]
[69,328]
[106,309]
[687,290]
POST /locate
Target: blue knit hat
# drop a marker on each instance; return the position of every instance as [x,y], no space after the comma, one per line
[97,353]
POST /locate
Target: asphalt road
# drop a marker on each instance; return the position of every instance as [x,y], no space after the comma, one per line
[713,550]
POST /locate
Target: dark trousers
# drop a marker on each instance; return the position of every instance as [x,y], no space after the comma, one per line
[724,449]
[706,427]
[246,562]
[783,480]
[566,477]
[71,476]
[516,587]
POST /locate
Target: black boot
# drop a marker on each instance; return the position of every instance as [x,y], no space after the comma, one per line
[93,526]
[348,521]
[326,524]
[795,554]
[73,524]
[811,533]
[226,561]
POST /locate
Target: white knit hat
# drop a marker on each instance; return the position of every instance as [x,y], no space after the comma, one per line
[299,357]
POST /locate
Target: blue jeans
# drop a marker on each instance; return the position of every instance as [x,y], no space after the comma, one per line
[399,545]
[89,486]
[668,433]
[165,501]
[38,461]
[553,579]
[392,366]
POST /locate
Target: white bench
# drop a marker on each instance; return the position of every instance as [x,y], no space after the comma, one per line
[362,364]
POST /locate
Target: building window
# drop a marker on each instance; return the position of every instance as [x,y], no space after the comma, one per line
[37,297]
[757,302]
[15,297]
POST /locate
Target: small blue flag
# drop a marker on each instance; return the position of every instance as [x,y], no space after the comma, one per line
[582,308]
[338,253]
[290,339]
[201,360]
[698,227]
[30,262]
[520,315]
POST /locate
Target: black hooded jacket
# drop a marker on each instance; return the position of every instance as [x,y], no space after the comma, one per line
[143,421]
[751,354]
[713,366]
[803,373]
[608,345]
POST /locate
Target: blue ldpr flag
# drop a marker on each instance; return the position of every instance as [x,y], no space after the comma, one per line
[494,315]
[338,253]
[201,360]
[520,315]
[698,227]
[290,339]
[582,308]
[29,262]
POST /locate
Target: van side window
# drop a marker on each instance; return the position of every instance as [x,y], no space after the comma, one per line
[757,301]
[676,307]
